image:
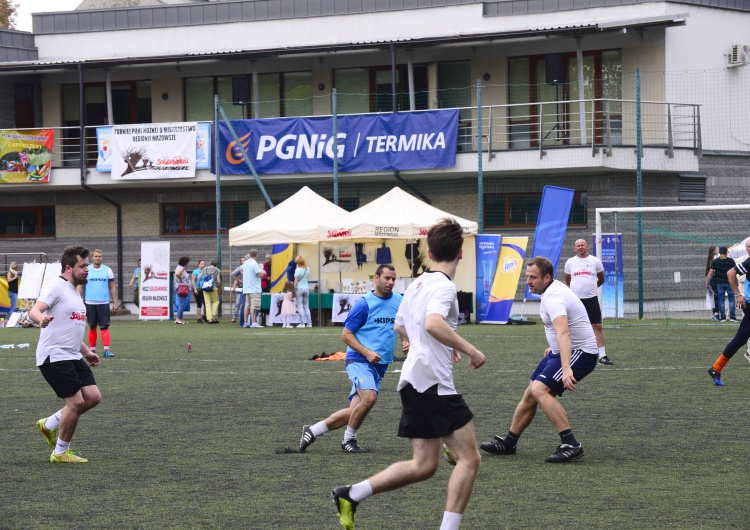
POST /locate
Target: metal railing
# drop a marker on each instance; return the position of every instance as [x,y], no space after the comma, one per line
[599,124]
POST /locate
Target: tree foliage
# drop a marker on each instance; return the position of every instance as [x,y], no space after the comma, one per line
[8,12]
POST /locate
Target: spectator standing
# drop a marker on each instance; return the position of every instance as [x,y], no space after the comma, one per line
[719,269]
[12,277]
[211,298]
[181,287]
[251,276]
[301,275]
[239,303]
[199,302]
[135,282]
[713,253]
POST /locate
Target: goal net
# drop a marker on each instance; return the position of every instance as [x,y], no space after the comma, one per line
[656,267]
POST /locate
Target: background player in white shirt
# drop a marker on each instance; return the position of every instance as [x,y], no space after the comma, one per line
[584,274]
[431,408]
[571,356]
[61,314]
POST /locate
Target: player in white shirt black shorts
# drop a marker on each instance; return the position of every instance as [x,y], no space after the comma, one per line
[60,353]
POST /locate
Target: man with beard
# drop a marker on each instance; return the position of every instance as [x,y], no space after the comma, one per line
[61,314]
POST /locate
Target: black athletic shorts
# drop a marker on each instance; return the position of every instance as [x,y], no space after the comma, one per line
[593,309]
[199,298]
[67,377]
[97,315]
[429,415]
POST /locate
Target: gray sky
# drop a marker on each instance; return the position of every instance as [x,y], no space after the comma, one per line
[27,7]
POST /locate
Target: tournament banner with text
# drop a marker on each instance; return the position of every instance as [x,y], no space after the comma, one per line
[202,147]
[505,284]
[153,151]
[487,248]
[380,142]
[551,225]
[154,287]
[613,288]
[26,156]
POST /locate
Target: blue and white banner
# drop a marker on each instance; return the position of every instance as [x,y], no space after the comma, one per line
[488,250]
[551,226]
[372,142]
[613,288]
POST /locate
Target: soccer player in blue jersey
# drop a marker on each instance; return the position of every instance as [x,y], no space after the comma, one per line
[370,339]
[96,295]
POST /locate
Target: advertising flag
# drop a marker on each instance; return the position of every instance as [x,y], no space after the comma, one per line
[281,256]
[505,284]
[551,226]
[613,288]
[487,252]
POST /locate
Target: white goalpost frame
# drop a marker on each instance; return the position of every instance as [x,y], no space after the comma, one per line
[635,209]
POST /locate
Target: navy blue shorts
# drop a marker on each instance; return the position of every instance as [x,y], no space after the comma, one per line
[67,377]
[97,315]
[592,309]
[428,415]
[549,369]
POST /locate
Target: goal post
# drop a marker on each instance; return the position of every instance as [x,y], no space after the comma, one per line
[664,254]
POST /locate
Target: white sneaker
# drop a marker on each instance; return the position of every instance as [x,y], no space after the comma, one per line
[747,356]
[255,325]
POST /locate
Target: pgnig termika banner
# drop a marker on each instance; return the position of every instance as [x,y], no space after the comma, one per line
[380,142]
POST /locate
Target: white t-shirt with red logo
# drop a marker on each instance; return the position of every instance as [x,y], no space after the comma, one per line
[583,275]
[61,339]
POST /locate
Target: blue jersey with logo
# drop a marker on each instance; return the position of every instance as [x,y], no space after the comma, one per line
[97,287]
[371,320]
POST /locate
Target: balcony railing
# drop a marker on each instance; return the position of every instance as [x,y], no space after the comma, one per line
[598,124]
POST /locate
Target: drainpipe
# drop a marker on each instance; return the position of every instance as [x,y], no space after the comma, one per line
[82,132]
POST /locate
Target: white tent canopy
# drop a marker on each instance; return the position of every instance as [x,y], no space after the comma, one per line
[296,220]
[394,215]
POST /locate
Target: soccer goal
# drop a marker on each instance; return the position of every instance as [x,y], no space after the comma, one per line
[655,267]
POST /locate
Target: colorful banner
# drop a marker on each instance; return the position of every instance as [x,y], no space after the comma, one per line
[337,257]
[155,285]
[613,288]
[505,284]
[342,304]
[202,147]
[487,252]
[281,256]
[380,142]
[26,156]
[551,225]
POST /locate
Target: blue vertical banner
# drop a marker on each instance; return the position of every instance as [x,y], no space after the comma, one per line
[613,298]
[487,252]
[551,226]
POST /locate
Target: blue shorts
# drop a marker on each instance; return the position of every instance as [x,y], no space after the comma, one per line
[365,376]
[549,369]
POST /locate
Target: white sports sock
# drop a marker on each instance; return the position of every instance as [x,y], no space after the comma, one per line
[319,428]
[451,521]
[350,434]
[601,352]
[53,422]
[61,446]
[360,491]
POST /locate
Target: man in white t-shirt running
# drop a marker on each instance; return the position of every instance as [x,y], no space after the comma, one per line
[61,314]
[584,274]
[431,408]
[571,356]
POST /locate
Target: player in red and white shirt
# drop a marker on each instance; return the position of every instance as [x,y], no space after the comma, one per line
[61,314]
[584,274]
